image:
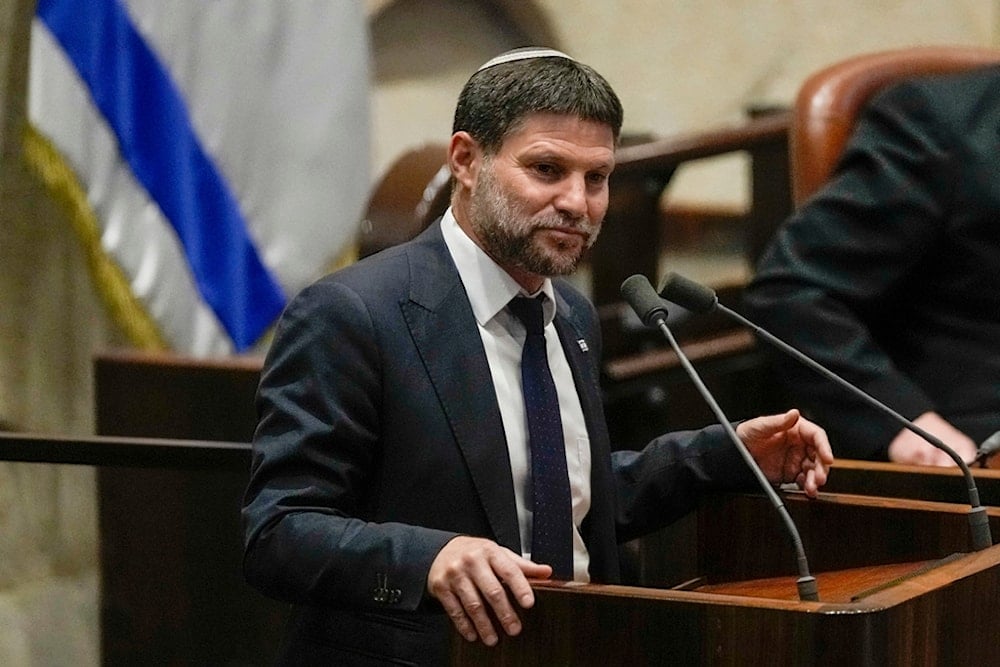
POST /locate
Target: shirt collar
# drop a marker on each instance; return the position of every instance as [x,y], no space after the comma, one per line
[488,286]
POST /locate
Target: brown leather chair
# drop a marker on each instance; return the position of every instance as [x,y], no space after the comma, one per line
[829,101]
[412,193]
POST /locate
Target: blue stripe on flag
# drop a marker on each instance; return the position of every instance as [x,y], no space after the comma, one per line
[150,120]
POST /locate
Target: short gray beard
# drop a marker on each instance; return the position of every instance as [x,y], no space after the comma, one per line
[508,235]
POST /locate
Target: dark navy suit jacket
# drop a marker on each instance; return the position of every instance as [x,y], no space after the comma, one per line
[380,439]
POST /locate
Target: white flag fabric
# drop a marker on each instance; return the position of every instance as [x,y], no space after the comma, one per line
[213,156]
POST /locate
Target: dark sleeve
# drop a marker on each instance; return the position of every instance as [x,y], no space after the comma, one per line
[314,453]
[668,478]
[834,271]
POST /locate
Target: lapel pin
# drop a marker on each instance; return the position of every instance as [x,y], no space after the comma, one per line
[583,345]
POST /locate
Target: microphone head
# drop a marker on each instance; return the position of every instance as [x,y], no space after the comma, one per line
[643,299]
[688,294]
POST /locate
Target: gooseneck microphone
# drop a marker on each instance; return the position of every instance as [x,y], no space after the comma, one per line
[647,304]
[701,299]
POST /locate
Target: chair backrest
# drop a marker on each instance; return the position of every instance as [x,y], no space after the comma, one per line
[830,100]
[414,191]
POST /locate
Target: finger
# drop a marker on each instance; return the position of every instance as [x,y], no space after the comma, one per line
[815,440]
[515,574]
[821,470]
[494,593]
[453,608]
[809,462]
[792,466]
[809,486]
[763,428]
[475,609]
[812,485]
[802,481]
[820,443]
[815,470]
[533,570]
[784,421]
[514,570]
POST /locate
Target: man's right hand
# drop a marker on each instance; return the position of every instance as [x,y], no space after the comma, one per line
[470,577]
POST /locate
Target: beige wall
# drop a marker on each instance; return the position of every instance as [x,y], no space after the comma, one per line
[679,66]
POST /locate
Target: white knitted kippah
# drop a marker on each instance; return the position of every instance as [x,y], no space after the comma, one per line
[525,53]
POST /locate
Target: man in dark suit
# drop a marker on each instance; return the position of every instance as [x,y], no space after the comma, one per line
[391,493]
[890,275]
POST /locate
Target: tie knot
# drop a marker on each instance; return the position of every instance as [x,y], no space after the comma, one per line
[529,311]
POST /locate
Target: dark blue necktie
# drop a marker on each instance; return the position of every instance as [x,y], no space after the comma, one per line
[552,532]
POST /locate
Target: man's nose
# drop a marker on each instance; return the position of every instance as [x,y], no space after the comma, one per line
[572,198]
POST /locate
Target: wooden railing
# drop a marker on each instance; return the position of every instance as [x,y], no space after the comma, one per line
[124,452]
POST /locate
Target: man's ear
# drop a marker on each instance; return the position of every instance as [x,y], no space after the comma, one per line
[464,158]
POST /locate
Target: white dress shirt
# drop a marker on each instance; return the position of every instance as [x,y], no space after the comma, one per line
[490,289]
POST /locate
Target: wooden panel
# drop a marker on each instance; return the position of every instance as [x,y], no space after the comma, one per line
[894,480]
[171,542]
[167,396]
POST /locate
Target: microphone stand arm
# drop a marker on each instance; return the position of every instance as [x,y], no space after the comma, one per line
[978,519]
[806,583]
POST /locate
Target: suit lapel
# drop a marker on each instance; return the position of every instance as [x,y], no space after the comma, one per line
[580,350]
[598,529]
[444,332]
[578,354]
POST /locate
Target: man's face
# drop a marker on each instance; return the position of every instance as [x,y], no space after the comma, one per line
[538,204]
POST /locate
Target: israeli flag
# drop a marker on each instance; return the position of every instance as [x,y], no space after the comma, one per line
[213,156]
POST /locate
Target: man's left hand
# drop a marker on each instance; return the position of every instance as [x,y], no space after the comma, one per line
[789,448]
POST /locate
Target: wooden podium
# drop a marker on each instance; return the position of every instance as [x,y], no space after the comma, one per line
[897,586]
